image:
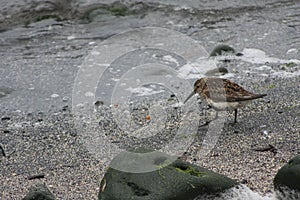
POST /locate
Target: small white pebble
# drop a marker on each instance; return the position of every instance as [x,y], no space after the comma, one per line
[81,105]
[71,37]
[180,104]
[65,99]
[95,53]
[290,51]
[54,95]
[89,94]
[265,134]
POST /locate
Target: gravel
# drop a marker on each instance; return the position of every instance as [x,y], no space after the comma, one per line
[49,144]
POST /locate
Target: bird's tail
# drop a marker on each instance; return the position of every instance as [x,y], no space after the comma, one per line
[253,96]
[260,95]
[256,96]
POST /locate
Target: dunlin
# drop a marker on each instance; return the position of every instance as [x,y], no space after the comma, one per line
[223,94]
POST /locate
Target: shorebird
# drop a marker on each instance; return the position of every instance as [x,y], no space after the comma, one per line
[223,94]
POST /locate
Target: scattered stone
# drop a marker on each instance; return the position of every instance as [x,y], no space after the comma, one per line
[287,180]
[37,176]
[54,95]
[39,192]
[98,103]
[6,131]
[292,51]
[217,72]
[222,49]
[65,108]
[269,147]
[166,180]
[244,181]
[65,99]
[5,118]
[2,152]
[29,116]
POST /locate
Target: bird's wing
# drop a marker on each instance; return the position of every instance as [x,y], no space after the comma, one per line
[231,98]
[231,92]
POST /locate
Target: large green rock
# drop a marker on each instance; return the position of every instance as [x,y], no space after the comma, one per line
[163,178]
[39,192]
[287,180]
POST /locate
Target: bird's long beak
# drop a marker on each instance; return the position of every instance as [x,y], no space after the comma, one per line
[192,94]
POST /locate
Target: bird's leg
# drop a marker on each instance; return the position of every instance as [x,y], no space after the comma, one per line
[235,115]
[207,122]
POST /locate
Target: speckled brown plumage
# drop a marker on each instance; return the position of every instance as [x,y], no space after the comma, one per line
[220,90]
[223,94]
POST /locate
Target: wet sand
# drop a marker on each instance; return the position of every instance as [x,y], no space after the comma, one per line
[40,59]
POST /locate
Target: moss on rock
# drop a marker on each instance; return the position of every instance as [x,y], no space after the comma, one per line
[168,180]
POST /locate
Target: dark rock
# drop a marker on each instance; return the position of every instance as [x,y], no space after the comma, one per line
[5,118]
[217,71]
[2,152]
[39,192]
[37,176]
[99,103]
[244,181]
[222,49]
[65,108]
[162,179]
[287,180]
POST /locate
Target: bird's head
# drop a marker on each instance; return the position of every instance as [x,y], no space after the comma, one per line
[198,87]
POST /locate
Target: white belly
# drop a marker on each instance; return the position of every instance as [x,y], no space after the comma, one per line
[227,105]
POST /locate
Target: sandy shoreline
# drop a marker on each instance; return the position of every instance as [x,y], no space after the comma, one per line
[42,54]
[48,144]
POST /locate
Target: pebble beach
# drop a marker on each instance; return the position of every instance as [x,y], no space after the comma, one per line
[42,58]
